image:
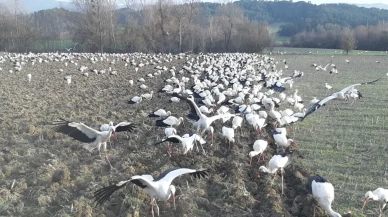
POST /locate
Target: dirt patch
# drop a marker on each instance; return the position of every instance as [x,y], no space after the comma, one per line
[47,174]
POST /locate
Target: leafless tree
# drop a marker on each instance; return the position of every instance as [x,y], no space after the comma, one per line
[96,26]
[348,40]
[229,16]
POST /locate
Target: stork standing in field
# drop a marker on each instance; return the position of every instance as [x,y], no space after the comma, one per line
[323,193]
[258,149]
[381,195]
[278,161]
[341,95]
[328,87]
[228,133]
[280,137]
[86,134]
[68,79]
[158,189]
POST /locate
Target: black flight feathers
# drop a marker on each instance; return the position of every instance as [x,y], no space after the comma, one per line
[103,194]
[62,126]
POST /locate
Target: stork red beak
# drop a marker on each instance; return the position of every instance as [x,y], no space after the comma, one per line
[115,135]
[365,202]
[293,144]
[173,201]
[250,161]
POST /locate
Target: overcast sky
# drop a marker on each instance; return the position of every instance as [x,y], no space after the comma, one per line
[34,5]
[347,1]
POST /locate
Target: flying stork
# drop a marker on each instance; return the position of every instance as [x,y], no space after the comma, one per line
[158,189]
[338,95]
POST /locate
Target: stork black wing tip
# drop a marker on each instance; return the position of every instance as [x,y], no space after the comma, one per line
[103,194]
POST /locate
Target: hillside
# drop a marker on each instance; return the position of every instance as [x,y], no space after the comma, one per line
[297,16]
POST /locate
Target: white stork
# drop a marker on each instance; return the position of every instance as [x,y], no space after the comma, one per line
[120,127]
[280,137]
[278,161]
[323,192]
[258,149]
[86,134]
[158,189]
[228,133]
[135,100]
[381,195]
[202,121]
[169,121]
[187,142]
[337,95]
[160,113]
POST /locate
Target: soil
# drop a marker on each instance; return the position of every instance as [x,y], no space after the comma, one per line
[44,173]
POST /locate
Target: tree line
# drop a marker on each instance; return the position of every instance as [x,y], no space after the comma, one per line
[162,27]
[302,16]
[190,26]
[361,37]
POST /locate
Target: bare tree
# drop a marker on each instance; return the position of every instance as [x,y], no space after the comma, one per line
[348,40]
[229,16]
[95,28]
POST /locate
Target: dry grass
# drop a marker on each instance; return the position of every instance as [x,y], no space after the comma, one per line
[55,176]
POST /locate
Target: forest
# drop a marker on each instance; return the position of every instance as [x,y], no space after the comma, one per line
[165,27]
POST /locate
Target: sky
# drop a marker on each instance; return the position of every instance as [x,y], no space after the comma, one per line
[35,5]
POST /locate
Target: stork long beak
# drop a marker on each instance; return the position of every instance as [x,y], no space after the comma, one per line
[250,161]
[365,202]
[173,201]
[115,135]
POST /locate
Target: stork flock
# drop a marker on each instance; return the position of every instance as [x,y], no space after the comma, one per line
[236,91]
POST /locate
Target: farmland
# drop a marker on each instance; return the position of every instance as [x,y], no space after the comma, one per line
[48,174]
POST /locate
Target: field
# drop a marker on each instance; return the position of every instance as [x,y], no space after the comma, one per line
[48,174]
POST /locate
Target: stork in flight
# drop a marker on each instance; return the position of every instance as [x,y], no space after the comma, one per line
[86,134]
[338,95]
[120,127]
[202,121]
[158,189]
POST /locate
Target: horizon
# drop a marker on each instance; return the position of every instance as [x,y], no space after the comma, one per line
[32,6]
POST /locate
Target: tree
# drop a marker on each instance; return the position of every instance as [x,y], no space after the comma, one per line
[94,30]
[348,40]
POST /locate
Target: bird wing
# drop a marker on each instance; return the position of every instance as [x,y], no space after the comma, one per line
[346,89]
[125,126]
[78,131]
[172,138]
[317,105]
[103,194]
[195,112]
[169,175]
[216,117]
